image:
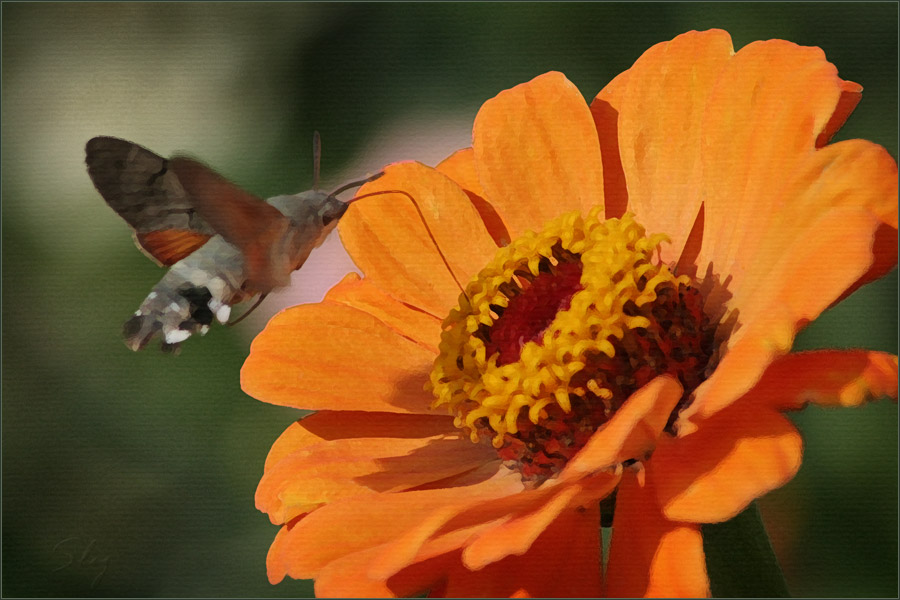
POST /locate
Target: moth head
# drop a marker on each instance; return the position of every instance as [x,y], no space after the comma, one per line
[332,210]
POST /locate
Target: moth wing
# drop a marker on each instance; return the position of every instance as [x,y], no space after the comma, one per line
[168,246]
[140,187]
[258,229]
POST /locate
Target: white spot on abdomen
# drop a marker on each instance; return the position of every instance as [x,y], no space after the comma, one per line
[177,335]
[223,313]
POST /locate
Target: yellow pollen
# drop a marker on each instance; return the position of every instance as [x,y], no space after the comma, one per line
[617,271]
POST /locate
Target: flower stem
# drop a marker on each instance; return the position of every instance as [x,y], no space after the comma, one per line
[740,560]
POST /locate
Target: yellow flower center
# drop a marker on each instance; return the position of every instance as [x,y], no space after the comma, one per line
[558,330]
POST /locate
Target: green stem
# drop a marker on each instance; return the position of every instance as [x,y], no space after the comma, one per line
[740,560]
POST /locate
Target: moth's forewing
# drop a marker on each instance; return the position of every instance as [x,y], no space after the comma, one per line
[138,185]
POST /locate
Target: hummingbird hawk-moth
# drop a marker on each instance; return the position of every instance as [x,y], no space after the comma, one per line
[222,244]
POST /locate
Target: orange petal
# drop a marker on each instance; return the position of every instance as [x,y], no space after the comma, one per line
[660,131]
[563,562]
[855,174]
[428,540]
[537,153]
[339,582]
[443,545]
[345,578]
[348,577]
[631,432]
[734,457]
[614,91]
[517,535]
[827,378]
[460,516]
[327,356]
[482,473]
[807,278]
[276,568]
[338,469]
[605,112]
[389,242]
[460,167]
[362,522]
[651,556]
[516,521]
[770,104]
[569,549]
[409,322]
[329,425]
[884,249]
[851,94]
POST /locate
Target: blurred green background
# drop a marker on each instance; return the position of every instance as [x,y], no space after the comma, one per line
[141,468]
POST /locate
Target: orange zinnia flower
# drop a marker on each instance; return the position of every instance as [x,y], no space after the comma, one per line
[634,274]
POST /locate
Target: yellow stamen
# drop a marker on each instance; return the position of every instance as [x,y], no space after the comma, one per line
[617,272]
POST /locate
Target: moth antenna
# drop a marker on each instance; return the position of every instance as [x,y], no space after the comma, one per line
[424,222]
[317,158]
[247,313]
[356,184]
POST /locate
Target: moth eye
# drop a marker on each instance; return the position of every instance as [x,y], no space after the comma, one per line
[326,219]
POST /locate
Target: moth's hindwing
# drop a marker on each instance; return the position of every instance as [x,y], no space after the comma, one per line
[169,246]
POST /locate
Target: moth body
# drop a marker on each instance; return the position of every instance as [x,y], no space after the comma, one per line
[193,292]
[204,285]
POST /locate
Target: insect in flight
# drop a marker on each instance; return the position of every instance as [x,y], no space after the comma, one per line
[222,244]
